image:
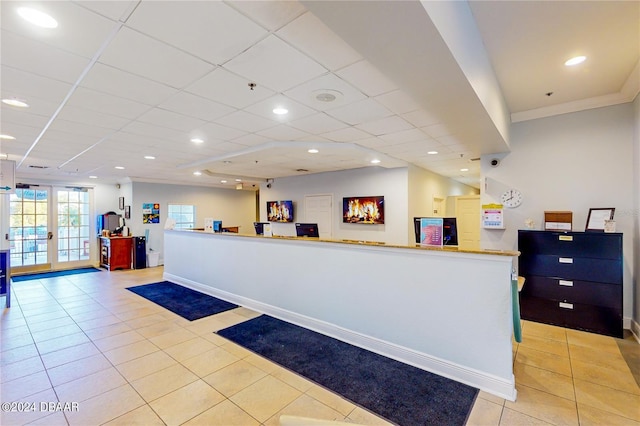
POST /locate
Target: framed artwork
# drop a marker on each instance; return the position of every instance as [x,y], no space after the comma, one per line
[121,203]
[150,213]
[127,212]
[597,217]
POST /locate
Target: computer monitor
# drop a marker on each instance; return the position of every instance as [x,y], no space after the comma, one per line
[449,231]
[259,226]
[309,230]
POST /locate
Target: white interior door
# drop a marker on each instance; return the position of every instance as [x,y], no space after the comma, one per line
[318,209]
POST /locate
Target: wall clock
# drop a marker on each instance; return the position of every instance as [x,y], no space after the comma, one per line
[511,198]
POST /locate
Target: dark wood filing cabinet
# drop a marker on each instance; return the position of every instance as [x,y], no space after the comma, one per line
[572,279]
[115,252]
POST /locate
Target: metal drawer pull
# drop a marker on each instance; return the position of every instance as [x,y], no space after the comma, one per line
[565,283]
[565,259]
[565,237]
[566,305]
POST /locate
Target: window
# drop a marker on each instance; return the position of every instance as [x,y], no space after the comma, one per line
[184,215]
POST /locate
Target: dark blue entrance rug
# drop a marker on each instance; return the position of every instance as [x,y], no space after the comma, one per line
[400,393]
[37,276]
[187,303]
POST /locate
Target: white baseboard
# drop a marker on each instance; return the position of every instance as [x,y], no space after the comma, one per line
[635,329]
[484,381]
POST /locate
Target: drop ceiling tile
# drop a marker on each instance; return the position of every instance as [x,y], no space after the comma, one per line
[367,78]
[211,30]
[73,19]
[114,10]
[313,37]
[162,63]
[246,121]
[91,118]
[265,109]
[283,132]
[215,131]
[275,64]
[349,134]
[318,123]
[20,117]
[172,120]
[404,136]
[195,106]
[227,88]
[40,59]
[79,130]
[251,139]
[116,82]
[398,102]
[360,112]
[329,83]
[97,101]
[272,14]
[373,143]
[385,126]
[25,85]
[151,130]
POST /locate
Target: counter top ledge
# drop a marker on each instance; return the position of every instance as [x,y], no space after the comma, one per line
[448,249]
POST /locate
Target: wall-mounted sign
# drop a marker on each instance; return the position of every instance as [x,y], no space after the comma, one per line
[492,216]
[150,213]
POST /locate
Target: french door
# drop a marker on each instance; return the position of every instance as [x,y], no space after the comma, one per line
[50,228]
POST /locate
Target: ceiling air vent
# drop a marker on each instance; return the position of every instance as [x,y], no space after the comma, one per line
[38,167]
[302,170]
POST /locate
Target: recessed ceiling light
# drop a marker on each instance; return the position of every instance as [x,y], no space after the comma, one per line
[16,103]
[432,152]
[197,173]
[7,137]
[93,177]
[376,161]
[196,140]
[37,17]
[4,156]
[119,167]
[238,180]
[313,151]
[464,170]
[575,61]
[149,157]
[223,181]
[280,111]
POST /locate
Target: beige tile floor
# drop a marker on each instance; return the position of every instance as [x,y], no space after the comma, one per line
[117,359]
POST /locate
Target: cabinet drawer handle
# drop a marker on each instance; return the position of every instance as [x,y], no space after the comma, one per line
[565,305]
[565,283]
[565,259]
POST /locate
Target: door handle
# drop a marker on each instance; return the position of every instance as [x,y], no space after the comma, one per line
[49,235]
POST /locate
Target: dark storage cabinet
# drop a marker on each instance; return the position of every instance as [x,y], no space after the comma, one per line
[573,279]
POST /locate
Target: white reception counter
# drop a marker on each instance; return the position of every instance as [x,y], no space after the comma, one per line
[446,311]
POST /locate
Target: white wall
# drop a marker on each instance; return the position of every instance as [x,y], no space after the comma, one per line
[568,162]
[424,185]
[233,207]
[369,181]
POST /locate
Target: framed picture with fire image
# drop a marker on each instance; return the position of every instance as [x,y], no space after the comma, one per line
[364,210]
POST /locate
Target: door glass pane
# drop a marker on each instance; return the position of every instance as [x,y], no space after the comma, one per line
[28,227]
[73,209]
